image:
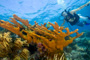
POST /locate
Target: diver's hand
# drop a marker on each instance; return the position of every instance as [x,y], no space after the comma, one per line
[70,20]
[87,4]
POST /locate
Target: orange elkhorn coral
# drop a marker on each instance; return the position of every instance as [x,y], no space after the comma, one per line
[52,40]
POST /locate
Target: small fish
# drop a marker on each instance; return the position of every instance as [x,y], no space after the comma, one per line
[48,25]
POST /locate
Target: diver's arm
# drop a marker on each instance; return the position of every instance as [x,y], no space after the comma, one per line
[63,22]
[75,10]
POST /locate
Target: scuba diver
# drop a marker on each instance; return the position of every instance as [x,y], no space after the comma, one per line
[75,19]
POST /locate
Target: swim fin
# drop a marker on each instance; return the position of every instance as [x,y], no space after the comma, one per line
[88,17]
[87,24]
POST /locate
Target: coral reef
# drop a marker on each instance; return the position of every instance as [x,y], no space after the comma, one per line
[80,49]
[86,35]
[52,41]
[4,44]
[12,50]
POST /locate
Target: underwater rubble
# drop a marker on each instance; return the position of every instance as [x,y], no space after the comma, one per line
[36,42]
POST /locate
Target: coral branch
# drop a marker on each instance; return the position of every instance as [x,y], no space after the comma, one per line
[25,22]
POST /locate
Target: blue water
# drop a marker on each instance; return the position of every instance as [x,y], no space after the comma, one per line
[42,11]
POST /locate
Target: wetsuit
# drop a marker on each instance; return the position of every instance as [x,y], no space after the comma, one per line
[70,16]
